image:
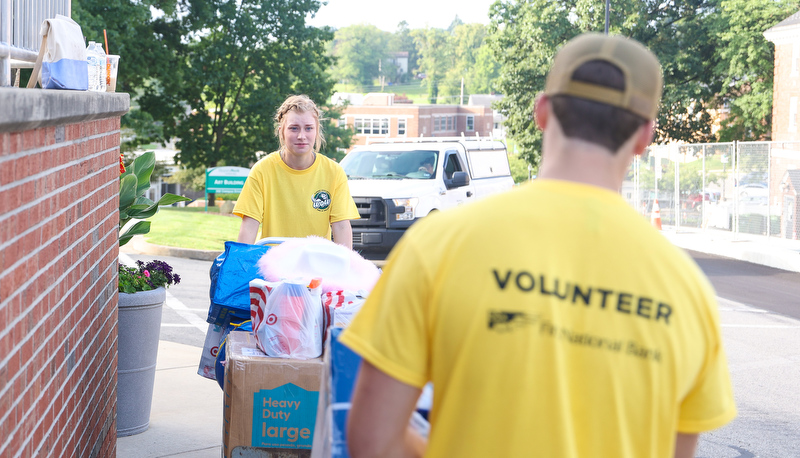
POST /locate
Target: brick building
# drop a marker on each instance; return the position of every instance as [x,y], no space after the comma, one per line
[786,91]
[785,157]
[379,116]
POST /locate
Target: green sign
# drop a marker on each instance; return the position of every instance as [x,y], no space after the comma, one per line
[226,180]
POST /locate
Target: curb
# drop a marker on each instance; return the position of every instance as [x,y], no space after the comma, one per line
[140,245]
[773,253]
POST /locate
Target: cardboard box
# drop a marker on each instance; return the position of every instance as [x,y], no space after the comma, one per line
[270,403]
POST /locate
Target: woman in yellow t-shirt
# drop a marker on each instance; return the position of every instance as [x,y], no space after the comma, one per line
[296,192]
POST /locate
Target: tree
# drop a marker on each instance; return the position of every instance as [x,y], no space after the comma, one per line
[747,65]
[337,137]
[464,42]
[525,35]
[359,50]
[435,57]
[147,45]
[403,41]
[522,37]
[242,59]
[482,75]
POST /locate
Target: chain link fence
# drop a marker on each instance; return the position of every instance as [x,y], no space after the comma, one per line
[740,187]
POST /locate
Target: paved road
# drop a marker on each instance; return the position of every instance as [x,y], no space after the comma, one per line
[753,284]
[760,323]
[760,317]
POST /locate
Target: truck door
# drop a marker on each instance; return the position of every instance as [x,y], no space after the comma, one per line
[454,194]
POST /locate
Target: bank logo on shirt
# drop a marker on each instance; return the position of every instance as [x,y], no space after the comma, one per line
[321,200]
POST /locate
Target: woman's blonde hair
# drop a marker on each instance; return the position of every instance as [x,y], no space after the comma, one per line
[300,104]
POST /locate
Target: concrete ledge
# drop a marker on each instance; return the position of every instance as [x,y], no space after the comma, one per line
[25,109]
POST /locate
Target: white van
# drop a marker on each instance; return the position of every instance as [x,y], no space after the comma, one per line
[398,181]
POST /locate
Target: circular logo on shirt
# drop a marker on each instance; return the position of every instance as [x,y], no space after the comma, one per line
[321,200]
[272,319]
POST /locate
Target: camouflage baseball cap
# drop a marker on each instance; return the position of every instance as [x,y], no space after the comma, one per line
[640,67]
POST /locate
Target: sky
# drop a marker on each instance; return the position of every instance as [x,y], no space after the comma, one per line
[386,14]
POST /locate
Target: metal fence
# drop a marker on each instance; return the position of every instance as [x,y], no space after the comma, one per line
[741,187]
[20,21]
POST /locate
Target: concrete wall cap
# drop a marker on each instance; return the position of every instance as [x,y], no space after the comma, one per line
[25,109]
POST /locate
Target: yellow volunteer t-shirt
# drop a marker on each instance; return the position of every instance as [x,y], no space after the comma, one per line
[553,321]
[296,203]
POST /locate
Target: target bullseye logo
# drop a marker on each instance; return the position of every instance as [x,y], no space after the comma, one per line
[214,351]
[272,319]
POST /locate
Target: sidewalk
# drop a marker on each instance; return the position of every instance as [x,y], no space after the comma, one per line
[773,252]
[186,417]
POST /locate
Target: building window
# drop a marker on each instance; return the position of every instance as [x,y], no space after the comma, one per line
[793,114]
[342,122]
[795,58]
[470,123]
[444,123]
[401,126]
[372,126]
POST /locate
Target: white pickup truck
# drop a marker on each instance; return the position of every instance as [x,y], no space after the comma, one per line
[398,181]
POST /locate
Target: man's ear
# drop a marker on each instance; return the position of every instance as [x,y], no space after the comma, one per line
[541,110]
[644,137]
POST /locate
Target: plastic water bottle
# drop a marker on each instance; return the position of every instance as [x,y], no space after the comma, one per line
[96,58]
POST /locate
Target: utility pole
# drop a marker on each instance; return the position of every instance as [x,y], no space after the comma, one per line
[380,73]
[461,100]
[607,14]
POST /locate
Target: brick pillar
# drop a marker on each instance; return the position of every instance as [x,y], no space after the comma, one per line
[59,198]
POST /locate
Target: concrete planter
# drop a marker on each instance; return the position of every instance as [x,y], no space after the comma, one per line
[139,330]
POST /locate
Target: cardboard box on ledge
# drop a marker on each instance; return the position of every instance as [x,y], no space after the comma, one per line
[270,403]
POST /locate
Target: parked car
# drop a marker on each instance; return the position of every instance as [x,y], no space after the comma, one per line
[694,200]
[398,181]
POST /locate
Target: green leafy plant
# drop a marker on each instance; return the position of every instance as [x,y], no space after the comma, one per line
[134,181]
[146,276]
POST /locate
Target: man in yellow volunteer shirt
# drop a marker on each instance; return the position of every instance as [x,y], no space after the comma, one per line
[296,192]
[553,320]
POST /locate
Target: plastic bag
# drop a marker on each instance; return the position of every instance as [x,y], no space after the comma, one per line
[230,276]
[342,306]
[287,317]
[213,356]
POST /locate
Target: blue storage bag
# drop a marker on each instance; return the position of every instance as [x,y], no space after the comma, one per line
[230,275]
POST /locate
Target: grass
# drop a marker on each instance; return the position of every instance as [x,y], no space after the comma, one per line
[192,227]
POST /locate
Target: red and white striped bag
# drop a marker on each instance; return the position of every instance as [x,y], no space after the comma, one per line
[340,307]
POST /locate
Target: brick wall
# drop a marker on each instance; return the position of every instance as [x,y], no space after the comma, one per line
[420,120]
[786,37]
[59,188]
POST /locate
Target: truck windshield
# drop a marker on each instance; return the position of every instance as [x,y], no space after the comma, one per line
[391,165]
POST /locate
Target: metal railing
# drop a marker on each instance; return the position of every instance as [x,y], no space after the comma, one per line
[20,21]
[740,187]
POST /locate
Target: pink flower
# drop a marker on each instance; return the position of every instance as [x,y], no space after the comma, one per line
[147,273]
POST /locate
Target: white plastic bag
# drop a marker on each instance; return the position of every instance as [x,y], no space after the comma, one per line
[210,348]
[287,318]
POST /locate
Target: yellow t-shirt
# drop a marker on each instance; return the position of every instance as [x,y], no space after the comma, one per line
[553,321]
[296,203]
